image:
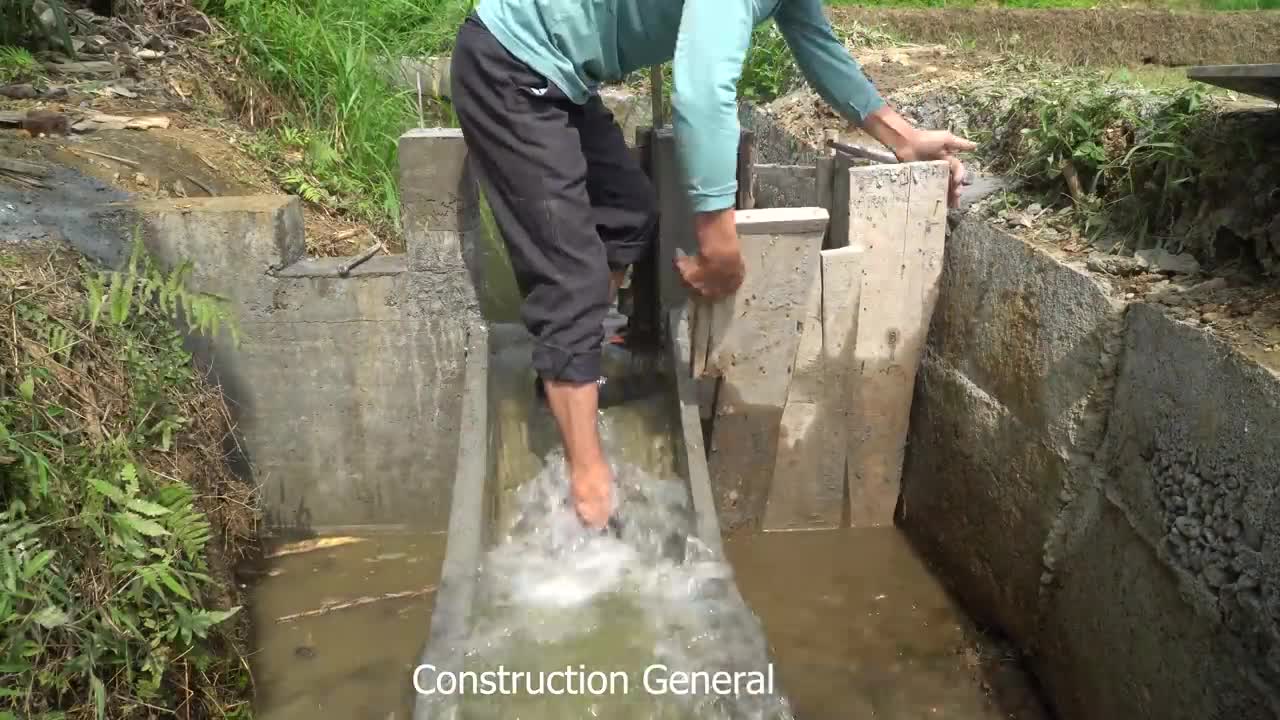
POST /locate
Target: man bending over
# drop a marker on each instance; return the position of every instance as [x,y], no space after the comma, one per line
[573,206]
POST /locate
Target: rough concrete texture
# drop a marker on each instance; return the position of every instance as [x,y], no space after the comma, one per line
[1011,403]
[773,143]
[1120,639]
[346,390]
[786,186]
[1084,488]
[1194,463]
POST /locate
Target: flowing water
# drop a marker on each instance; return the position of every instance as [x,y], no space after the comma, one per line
[645,623]
[641,623]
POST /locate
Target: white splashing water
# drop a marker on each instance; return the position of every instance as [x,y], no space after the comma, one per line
[653,598]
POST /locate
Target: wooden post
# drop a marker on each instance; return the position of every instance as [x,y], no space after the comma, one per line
[656,90]
[746,171]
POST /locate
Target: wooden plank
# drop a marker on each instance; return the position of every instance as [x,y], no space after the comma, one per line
[809,477]
[754,337]
[796,502]
[897,218]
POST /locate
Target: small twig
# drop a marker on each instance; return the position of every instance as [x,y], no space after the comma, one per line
[122,161]
[346,268]
[205,160]
[358,602]
[1073,182]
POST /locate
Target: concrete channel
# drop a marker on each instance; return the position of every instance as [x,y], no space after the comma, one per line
[1090,477]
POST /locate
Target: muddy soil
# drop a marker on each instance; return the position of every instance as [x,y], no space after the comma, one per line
[1105,36]
[203,148]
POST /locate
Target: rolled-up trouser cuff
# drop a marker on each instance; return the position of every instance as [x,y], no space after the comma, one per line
[552,363]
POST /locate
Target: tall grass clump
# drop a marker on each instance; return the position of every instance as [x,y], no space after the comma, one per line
[1138,165]
[119,521]
[327,60]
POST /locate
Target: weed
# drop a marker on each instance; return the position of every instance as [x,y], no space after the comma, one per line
[328,60]
[17,64]
[118,511]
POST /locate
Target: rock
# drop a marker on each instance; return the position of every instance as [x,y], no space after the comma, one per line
[1216,576]
[1113,264]
[1210,317]
[1188,527]
[23,91]
[1161,261]
[1211,285]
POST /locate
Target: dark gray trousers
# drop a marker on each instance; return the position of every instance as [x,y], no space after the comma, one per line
[569,198]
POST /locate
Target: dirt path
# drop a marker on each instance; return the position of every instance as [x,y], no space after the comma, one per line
[195,148]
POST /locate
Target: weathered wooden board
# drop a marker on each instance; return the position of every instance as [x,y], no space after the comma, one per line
[809,476]
[796,501]
[897,219]
[752,348]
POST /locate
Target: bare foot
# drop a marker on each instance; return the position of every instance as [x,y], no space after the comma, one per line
[592,490]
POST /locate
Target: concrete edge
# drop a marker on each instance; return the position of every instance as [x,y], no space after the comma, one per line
[330,267]
[468,523]
[694,455]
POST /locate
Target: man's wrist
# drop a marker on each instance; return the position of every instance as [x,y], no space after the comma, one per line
[716,232]
[893,131]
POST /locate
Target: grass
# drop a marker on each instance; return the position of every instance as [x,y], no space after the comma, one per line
[326,60]
[1133,162]
[17,65]
[118,517]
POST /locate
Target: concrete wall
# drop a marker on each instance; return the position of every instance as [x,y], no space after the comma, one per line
[346,390]
[1098,481]
[1093,478]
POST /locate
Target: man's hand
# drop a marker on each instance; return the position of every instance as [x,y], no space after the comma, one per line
[938,145]
[717,270]
[911,145]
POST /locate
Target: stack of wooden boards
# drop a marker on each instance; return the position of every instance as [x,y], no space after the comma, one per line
[814,358]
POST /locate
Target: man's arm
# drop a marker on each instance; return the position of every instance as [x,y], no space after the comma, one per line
[825,62]
[838,80]
[710,49]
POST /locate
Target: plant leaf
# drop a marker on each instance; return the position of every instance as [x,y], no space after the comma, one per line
[150,528]
[27,388]
[51,617]
[147,508]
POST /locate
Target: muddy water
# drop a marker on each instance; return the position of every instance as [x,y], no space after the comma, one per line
[351,657]
[850,622]
[859,628]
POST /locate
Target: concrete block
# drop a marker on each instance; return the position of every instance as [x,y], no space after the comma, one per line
[233,243]
[782,186]
[676,228]
[352,422]
[1120,640]
[1011,405]
[1193,465]
[435,181]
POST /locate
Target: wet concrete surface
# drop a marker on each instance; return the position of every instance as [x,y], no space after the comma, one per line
[858,627]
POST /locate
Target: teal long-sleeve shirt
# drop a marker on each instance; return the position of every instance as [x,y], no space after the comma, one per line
[578,44]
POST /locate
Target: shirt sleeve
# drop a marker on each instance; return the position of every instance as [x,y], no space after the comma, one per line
[710,49]
[825,61]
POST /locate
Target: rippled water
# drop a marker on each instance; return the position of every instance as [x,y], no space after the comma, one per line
[605,625]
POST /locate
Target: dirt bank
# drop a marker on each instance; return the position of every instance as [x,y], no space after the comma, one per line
[1109,36]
